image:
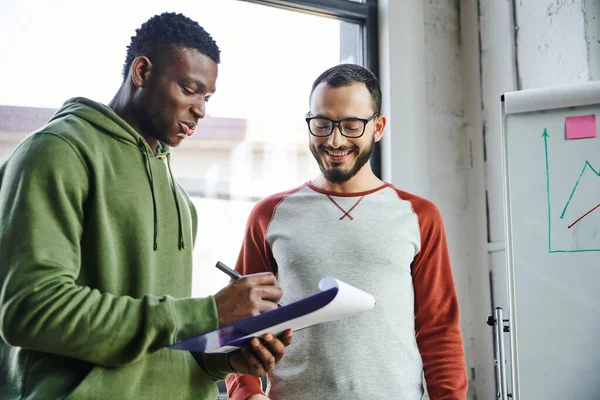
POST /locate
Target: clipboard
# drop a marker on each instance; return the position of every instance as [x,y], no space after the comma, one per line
[337,300]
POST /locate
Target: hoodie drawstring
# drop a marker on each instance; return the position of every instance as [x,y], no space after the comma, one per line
[174,189]
[149,171]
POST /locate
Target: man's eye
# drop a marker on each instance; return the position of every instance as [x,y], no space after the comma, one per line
[352,126]
[187,91]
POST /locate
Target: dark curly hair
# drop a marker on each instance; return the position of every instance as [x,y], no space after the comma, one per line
[162,35]
[347,74]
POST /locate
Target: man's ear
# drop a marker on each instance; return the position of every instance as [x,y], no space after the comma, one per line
[141,69]
[379,128]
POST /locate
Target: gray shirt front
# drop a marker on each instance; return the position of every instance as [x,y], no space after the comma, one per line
[373,241]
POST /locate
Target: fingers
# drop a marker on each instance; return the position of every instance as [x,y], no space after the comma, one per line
[255,366]
[272,294]
[259,299]
[262,351]
[271,349]
[262,290]
[275,348]
[262,355]
[258,360]
[247,297]
[261,279]
[286,337]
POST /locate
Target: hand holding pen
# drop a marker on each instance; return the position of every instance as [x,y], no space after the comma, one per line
[247,296]
[255,294]
[233,274]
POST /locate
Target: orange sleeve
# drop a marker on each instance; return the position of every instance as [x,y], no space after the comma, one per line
[437,326]
[255,256]
[240,387]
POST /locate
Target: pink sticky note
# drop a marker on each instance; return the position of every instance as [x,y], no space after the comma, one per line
[581,127]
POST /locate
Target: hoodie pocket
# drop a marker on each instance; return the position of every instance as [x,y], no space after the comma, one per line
[165,374]
[85,388]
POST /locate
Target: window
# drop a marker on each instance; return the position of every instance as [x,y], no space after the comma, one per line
[253,141]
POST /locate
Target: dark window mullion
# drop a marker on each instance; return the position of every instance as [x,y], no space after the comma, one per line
[341,9]
[371,38]
[371,61]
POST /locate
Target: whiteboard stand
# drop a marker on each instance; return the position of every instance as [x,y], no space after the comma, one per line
[551,179]
[501,326]
[500,361]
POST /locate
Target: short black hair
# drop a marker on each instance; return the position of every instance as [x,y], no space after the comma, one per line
[347,74]
[164,34]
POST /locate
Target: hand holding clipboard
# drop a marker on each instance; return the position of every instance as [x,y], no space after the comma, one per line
[337,300]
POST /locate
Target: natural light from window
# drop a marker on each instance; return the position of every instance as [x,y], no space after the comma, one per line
[254,140]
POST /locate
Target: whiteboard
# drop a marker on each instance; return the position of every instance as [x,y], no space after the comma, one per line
[552,221]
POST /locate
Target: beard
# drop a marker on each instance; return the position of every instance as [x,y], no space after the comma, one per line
[150,115]
[336,174]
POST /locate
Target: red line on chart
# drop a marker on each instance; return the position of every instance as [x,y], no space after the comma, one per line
[583,216]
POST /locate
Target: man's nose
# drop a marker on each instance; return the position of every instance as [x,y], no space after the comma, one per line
[336,139]
[198,109]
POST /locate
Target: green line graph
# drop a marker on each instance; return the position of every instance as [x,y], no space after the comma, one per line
[586,166]
[545,136]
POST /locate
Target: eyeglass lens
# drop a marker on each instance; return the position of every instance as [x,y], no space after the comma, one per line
[323,127]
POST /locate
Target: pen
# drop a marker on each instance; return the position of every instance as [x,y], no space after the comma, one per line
[233,274]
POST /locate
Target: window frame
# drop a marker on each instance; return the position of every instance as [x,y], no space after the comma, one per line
[363,14]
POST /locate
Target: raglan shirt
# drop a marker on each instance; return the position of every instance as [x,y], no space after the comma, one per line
[386,242]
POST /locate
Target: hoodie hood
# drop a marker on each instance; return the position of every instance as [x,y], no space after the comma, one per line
[106,120]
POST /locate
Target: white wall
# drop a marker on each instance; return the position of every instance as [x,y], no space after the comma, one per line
[498,75]
[444,66]
[427,149]
[592,22]
[449,163]
[402,52]
[551,45]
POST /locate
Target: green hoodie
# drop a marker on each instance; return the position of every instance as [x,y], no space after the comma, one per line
[96,267]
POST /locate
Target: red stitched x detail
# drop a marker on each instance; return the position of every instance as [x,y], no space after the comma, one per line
[346,213]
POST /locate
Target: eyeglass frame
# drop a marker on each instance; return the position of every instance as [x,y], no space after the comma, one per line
[339,125]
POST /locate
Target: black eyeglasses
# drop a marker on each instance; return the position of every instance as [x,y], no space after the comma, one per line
[349,127]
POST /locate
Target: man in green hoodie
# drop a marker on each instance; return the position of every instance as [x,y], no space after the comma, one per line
[96,242]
